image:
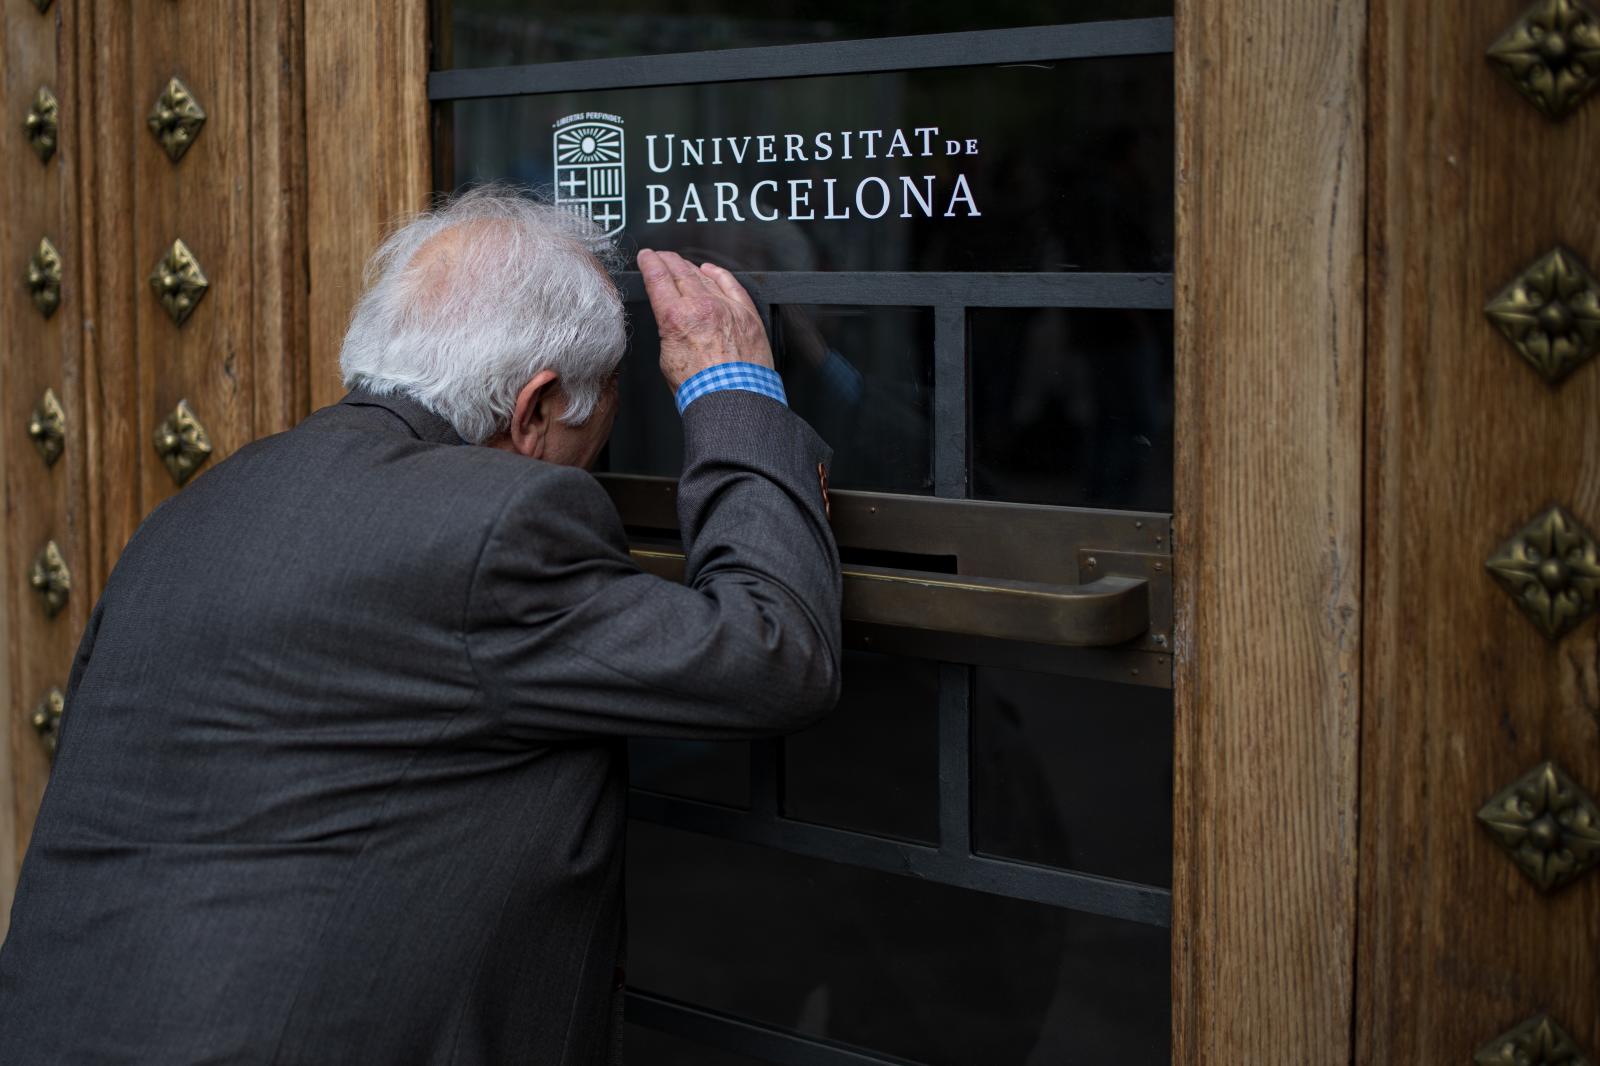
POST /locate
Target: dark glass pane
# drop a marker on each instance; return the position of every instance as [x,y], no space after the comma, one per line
[1072,407]
[1073,773]
[936,974]
[863,378]
[647,437]
[1070,166]
[648,1047]
[873,764]
[717,771]
[488,33]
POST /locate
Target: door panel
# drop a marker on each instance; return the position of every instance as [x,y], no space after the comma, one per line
[969,860]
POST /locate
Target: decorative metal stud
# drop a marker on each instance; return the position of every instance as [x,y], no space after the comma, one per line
[176,119]
[182,443]
[42,123]
[46,718]
[1552,569]
[51,579]
[1548,823]
[47,428]
[42,5]
[1536,1042]
[44,278]
[1551,314]
[1552,55]
[179,281]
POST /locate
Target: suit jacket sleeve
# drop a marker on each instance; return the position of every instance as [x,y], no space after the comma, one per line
[572,640]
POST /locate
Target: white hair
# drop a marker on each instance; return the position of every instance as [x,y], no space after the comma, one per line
[523,286]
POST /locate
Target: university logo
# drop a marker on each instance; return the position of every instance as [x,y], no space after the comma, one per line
[589,168]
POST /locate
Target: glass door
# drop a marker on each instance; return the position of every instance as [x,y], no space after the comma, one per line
[958,220]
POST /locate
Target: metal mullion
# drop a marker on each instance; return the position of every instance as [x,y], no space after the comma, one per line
[1026,44]
[950,401]
[743,1037]
[955,761]
[1148,291]
[1068,889]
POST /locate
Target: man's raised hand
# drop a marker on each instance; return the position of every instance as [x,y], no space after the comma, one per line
[703,314]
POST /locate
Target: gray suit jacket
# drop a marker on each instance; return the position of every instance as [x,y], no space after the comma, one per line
[342,774]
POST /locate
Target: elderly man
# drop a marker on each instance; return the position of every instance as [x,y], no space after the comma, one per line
[342,774]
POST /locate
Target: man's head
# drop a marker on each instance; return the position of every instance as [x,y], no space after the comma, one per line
[497,312]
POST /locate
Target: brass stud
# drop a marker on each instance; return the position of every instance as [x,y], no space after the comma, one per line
[1551,314]
[1547,822]
[1552,55]
[182,443]
[46,718]
[176,119]
[1551,567]
[42,123]
[1536,1042]
[179,282]
[42,5]
[44,278]
[51,579]
[47,427]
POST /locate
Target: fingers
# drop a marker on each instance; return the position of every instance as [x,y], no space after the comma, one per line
[730,286]
[689,280]
[659,285]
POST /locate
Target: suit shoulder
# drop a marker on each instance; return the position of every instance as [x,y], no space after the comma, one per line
[557,493]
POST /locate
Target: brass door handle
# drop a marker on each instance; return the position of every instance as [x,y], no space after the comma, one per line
[1107,611]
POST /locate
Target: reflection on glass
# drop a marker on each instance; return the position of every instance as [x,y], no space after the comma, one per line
[1072,406]
[714,771]
[863,378]
[1073,773]
[873,764]
[936,974]
[648,1047]
[1060,166]
[488,33]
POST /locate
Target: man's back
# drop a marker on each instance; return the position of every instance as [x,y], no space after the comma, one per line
[341,777]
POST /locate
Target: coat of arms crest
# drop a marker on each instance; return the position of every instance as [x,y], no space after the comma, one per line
[589,169]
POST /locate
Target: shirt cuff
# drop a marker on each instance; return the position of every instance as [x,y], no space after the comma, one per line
[751,377]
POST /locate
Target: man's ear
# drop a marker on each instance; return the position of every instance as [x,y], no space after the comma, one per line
[535,412]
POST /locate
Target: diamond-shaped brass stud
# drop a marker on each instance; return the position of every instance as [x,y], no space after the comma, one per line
[1552,569]
[1552,55]
[176,119]
[1551,314]
[51,579]
[42,123]
[47,427]
[182,443]
[1548,823]
[179,282]
[46,718]
[1536,1042]
[44,278]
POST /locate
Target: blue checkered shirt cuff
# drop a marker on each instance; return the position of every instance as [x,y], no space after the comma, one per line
[747,376]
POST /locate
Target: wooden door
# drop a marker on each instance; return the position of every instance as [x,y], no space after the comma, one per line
[1356,439]
[1477,915]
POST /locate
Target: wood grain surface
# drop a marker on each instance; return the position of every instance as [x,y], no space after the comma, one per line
[1466,443]
[1271,178]
[368,152]
[40,503]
